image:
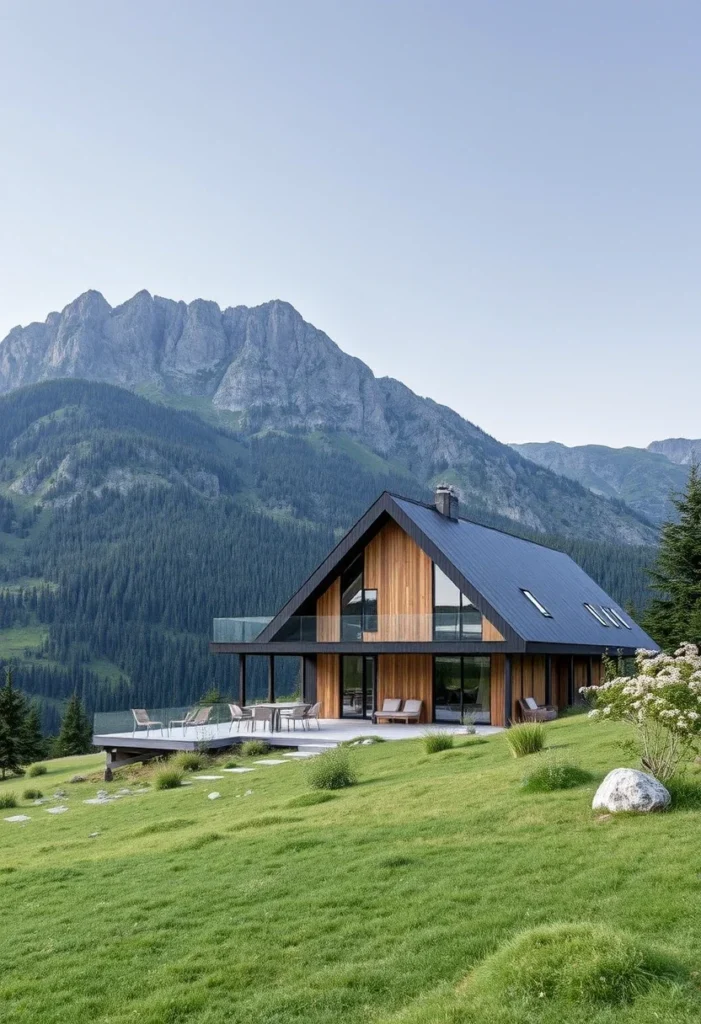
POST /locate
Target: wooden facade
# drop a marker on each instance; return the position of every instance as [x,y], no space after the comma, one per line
[401,573]
[328,613]
[409,676]
[328,685]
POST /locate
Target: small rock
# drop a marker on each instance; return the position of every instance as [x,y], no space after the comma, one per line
[124,792]
[56,810]
[367,743]
[213,796]
[626,789]
[79,778]
[102,794]
[93,835]
[249,792]
[18,817]
[60,794]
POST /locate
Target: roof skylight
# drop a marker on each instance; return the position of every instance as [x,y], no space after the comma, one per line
[612,619]
[596,613]
[618,617]
[536,603]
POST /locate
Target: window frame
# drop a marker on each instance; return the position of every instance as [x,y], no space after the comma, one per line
[596,615]
[530,596]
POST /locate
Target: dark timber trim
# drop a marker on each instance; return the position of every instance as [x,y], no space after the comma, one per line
[271,678]
[548,679]
[364,647]
[508,691]
[242,680]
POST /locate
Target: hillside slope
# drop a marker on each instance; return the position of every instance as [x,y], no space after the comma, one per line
[267,369]
[377,904]
[644,478]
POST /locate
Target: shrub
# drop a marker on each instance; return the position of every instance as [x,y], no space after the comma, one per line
[7,800]
[230,763]
[32,794]
[189,761]
[35,770]
[436,741]
[168,778]
[663,704]
[685,792]
[527,738]
[552,775]
[331,770]
[254,748]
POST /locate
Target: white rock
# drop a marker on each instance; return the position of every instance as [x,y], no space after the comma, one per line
[56,810]
[249,792]
[625,789]
[272,760]
[19,817]
[367,743]
[207,778]
[237,771]
[213,796]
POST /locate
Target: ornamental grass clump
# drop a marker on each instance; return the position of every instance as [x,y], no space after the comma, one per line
[35,770]
[434,742]
[32,794]
[527,738]
[168,778]
[7,801]
[254,748]
[333,769]
[663,704]
[552,775]
[189,761]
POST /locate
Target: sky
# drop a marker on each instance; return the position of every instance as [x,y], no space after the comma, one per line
[497,203]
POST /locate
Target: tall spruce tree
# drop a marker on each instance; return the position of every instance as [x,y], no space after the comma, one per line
[32,740]
[12,717]
[674,615]
[75,736]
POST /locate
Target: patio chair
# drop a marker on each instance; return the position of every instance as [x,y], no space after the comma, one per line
[532,711]
[263,714]
[411,712]
[294,715]
[184,722]
[390,706]
[196,717]
[142,721]
[312,715]
[238,715]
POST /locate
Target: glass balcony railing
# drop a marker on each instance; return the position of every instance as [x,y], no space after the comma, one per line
[439,627]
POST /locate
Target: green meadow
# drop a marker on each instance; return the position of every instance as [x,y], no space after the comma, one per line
[435,890]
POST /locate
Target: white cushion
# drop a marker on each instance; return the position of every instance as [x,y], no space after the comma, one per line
[531,703]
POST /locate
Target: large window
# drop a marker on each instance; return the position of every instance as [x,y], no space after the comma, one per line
[352,601]
[357,685]
[454,615]
[461,689]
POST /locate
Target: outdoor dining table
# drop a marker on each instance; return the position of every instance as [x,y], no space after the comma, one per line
[277,707]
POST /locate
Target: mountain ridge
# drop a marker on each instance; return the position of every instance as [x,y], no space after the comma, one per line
[272,370]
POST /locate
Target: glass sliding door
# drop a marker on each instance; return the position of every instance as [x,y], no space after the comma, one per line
[357,685]
[461,688]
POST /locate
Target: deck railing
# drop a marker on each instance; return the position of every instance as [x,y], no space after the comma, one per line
[441,626]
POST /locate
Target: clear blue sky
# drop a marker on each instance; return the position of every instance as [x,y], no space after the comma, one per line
[496,202]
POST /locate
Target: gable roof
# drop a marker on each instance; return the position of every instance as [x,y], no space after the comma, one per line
[492,568]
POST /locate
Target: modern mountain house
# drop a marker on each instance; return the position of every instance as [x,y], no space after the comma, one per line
[416,602]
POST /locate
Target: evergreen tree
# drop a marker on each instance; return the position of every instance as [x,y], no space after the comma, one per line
[32,740]
[76,734]
[12,716]
[674,615]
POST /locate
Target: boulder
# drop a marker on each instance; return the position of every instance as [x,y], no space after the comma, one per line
[625,789]
[79,778]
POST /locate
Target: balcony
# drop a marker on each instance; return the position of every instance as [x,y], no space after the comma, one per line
[435,628]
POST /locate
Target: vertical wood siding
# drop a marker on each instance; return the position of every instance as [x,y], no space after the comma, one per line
[400,572]
[328,685]
[328,611]
[409,676]
[490,633]
[496,691]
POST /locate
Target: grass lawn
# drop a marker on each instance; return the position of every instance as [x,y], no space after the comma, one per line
[393,901]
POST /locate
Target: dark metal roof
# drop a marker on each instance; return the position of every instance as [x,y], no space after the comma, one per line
[500,566]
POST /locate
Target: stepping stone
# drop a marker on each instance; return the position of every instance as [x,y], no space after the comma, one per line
[95,800]
[56,810]
[213,796]
[238,770]
[207,778]
[19,817]
[304,753]
[272,761]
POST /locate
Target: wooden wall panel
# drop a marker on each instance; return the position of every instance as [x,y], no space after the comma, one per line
[489,632]
[409,676]
[401,573]
[527,680]
[328,687]
[496,698]
[328,611]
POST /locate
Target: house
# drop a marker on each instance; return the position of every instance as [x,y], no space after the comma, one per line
[417,602]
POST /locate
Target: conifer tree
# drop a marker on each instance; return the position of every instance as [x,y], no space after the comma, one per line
[75,736]
[32,739]
[12,715]
[674,616]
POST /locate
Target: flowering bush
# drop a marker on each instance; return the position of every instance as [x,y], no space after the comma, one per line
[663,702]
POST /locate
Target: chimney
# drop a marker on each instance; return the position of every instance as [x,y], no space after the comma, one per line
[446,501]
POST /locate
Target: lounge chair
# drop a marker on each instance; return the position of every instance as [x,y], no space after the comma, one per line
[532,711]
[294,715]
[238,715]
[142,721]
[390,706]
[312,714]
[411,712]
[198,716]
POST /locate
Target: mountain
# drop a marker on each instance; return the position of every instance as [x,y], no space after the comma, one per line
[127,526]
[266,369]
[644,478]
[680,450]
